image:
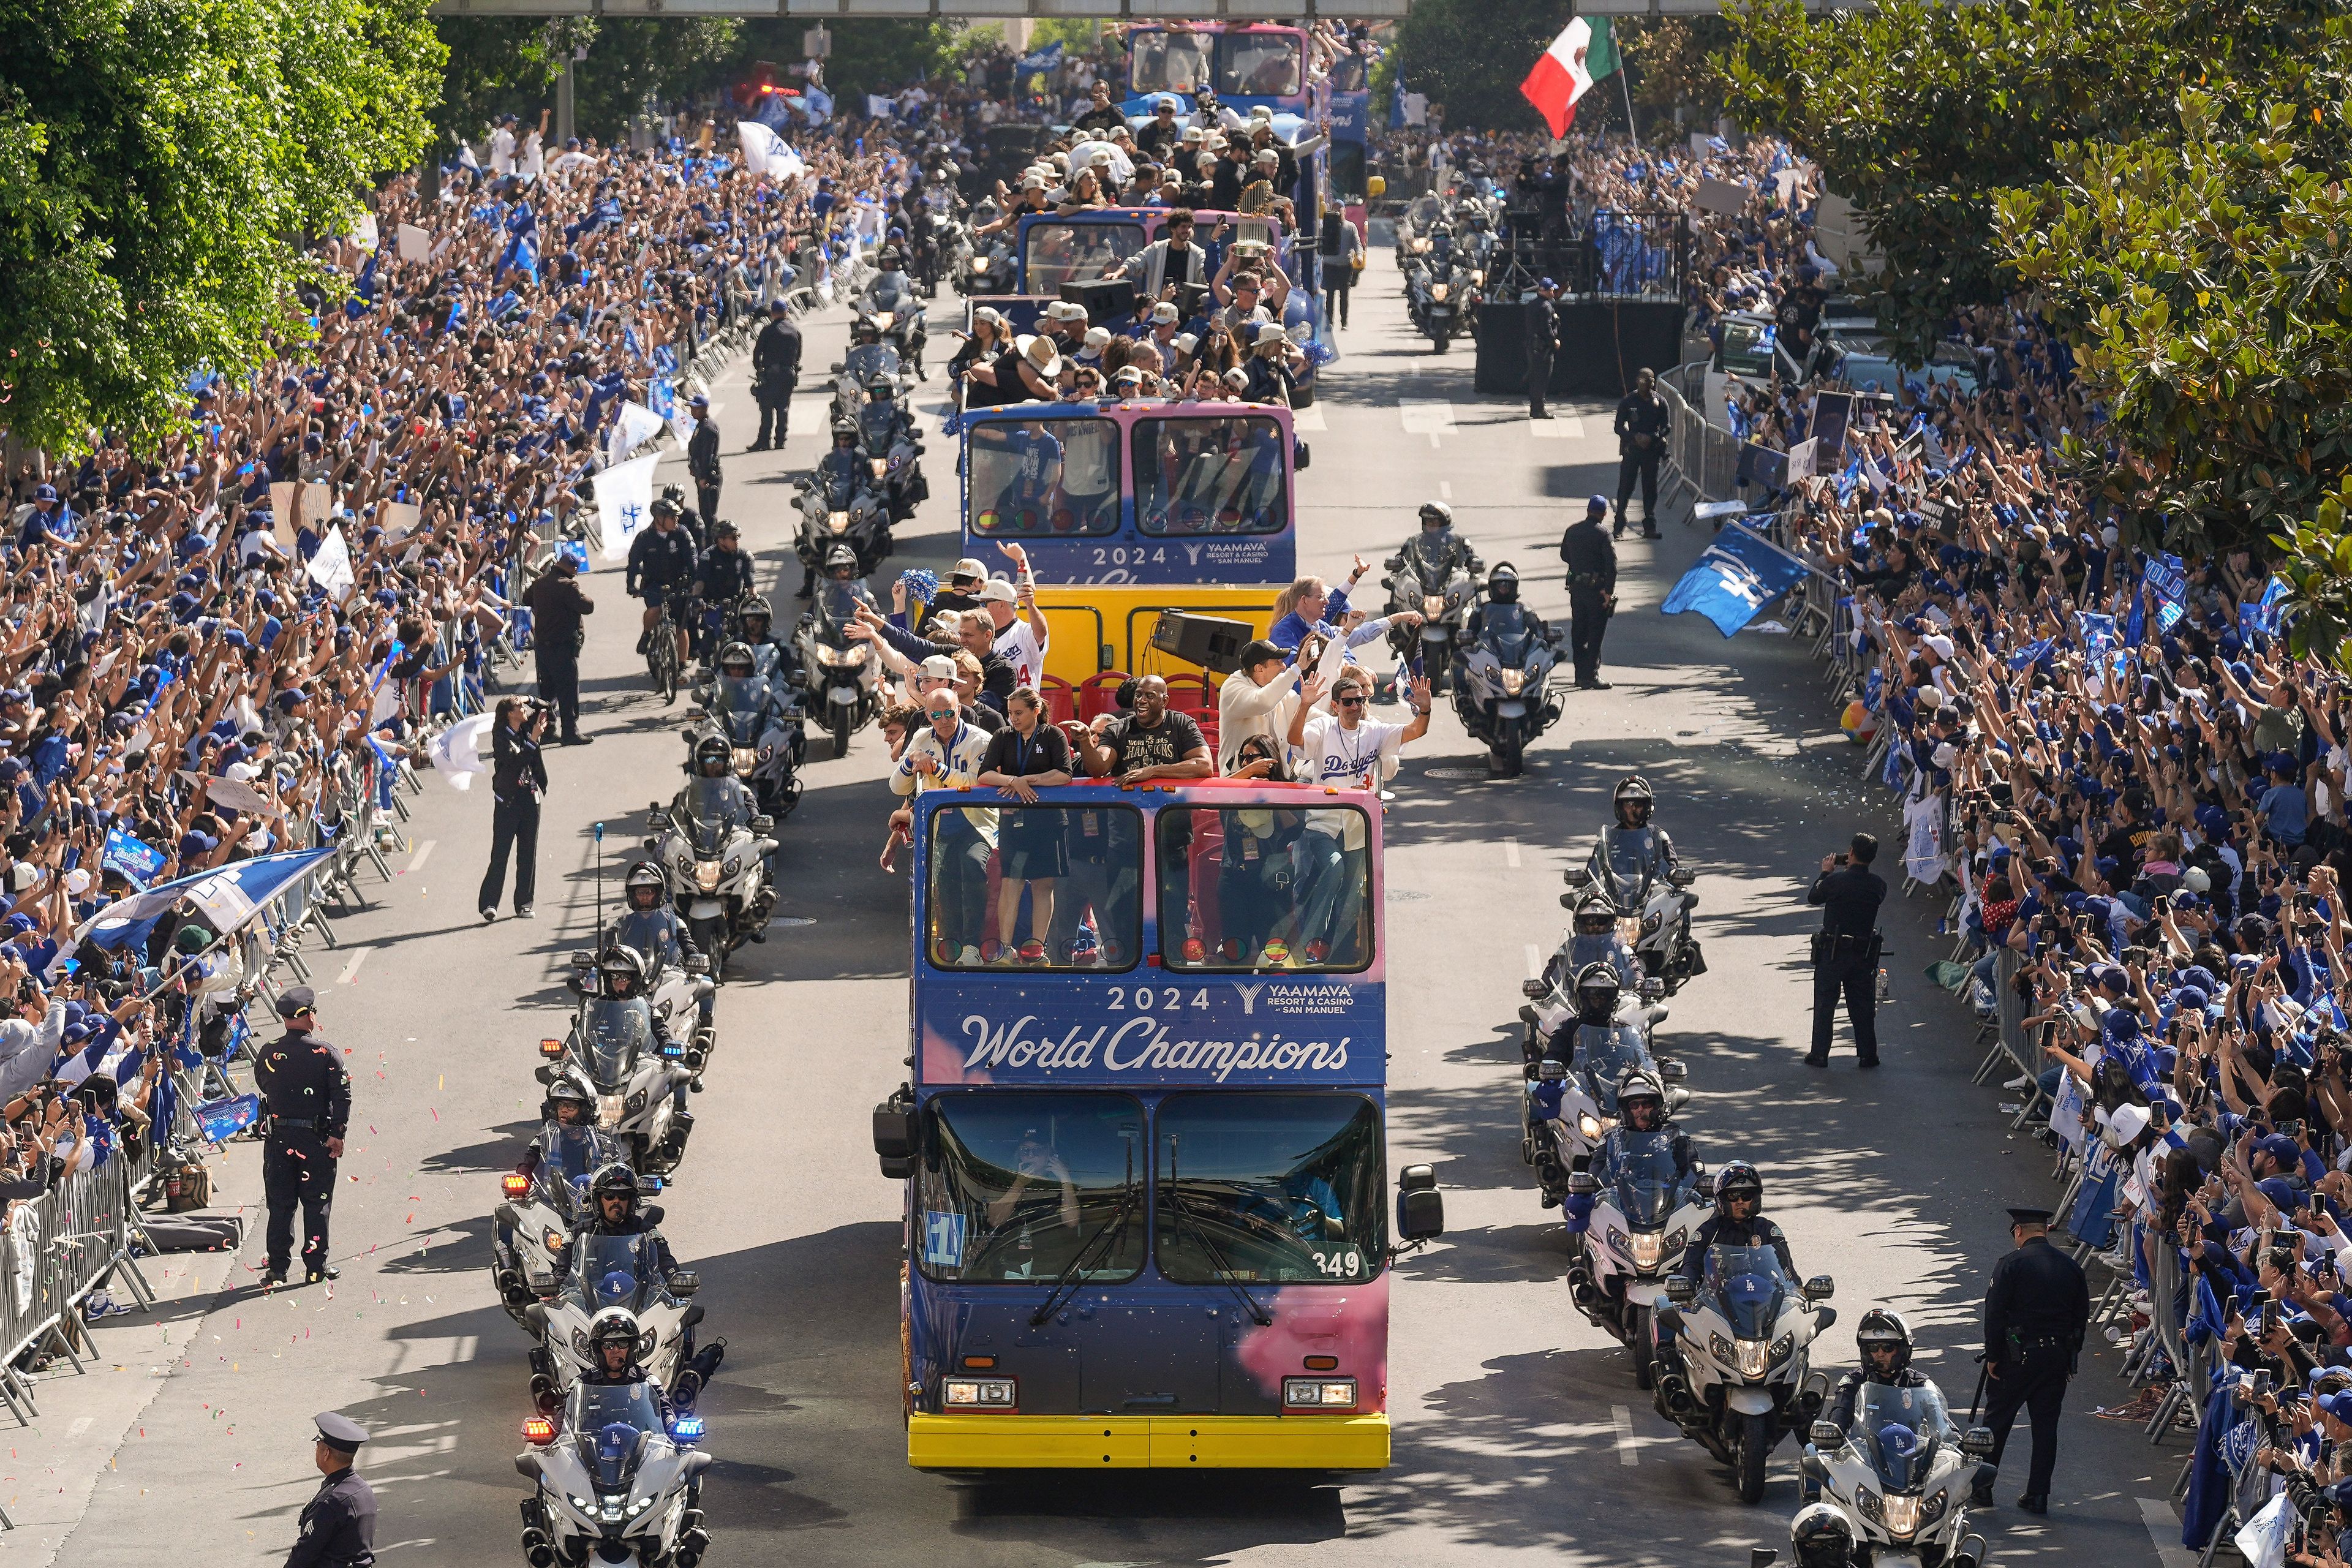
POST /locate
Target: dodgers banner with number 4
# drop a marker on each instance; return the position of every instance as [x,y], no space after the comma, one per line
[1739,574]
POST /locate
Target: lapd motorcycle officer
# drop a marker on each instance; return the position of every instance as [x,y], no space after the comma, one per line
[612,1207]
[1737,1220]
[1630,846]
[1883,1341]
[307,1103]
[1594,940]
[1591,558]
[614,1341]
[2037,1310]
[649,924]
[771,654]
[1640,1108]
[1846,950]
[569,1107]
[1436,552]
[338,1521]
[776,372]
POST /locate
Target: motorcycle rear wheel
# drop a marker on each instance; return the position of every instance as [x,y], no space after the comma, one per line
[1752,1450]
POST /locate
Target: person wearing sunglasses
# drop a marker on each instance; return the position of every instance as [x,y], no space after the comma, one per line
[1345,750]
[945,752]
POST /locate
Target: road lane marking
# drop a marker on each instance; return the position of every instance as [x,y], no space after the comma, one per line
[1626,1456]
[351,969]
[2164,1528]
[1426,418]
[1534,962]
[1309,419]
[424,853]
[1446,490]
[1559,427]
[1511,853]
[81,1423]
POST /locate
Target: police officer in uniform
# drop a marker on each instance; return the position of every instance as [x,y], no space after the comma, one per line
[702,459]
[2036,1312]
[1591,559]
[1846,950]
[557,610]
[775,372]
[1642,421]
[1543,337]
[306,1099]
[338,1521]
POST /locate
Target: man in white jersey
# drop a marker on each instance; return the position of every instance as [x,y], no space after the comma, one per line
[1344,748]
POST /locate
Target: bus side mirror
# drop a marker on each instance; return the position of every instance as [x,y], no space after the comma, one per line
[1681,1291]
[1420,1210]
[898,1133]
[1583,1184]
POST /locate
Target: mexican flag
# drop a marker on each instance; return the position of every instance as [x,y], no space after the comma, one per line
[1578,58]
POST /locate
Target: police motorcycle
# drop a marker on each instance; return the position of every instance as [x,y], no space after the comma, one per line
[762,721]
[1635,865]
[633,1072]
[891,455]
[1591,938]
[1574,1068]
[890,303]
[1431,578]
[543,1204]
[1501,690]
[870,363]
[615,1477]
[988,268]
[677,981]
[950,258]
[1894,1486]
[843,676]
[1437,285]
[1647,1195]
[1740,1334]
[842,501]
[713,844]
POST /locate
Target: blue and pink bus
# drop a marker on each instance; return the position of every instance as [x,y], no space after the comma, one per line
[1147,1207]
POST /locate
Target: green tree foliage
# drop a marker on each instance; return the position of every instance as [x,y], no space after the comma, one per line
[869,54]
[499,65]
[155,160]
[633,58]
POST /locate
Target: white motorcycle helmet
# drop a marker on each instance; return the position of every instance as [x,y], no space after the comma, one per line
[1820,1537]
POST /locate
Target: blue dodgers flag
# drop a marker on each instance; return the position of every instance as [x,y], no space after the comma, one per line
[2169,581]
[1739,576]
[134,857]
[221,1119]
[2263,617]
[230,895]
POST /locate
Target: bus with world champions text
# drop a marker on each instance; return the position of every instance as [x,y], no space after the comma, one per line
[1149,1219]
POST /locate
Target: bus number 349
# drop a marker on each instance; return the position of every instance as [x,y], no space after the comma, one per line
[1346,1263]
[1147,1000]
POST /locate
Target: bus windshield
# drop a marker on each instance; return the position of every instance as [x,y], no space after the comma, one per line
[1054,253]
[1259,65]
[1218,475]
[1043,476]
[1170,62]
[1273,1188]
[1080,866]
[1015,1186]
[1264,888]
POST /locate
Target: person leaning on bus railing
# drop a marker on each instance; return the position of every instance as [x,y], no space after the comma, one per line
[1028,754]
[1148,744]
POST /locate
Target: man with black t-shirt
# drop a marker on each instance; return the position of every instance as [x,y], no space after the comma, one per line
[1150,742]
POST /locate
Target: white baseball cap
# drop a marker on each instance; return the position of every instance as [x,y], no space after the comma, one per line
[938,667]
[999,591]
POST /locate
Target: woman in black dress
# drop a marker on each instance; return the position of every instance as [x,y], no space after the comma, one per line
[1024,755]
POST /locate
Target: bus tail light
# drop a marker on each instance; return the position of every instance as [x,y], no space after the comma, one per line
[1318,1392]
[978,1394]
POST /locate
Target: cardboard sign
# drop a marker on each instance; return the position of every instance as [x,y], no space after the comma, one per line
[415,244]
[282,512]
[1715,195]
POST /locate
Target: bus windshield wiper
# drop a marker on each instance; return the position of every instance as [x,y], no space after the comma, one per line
[1200,1233]
[1066,1282]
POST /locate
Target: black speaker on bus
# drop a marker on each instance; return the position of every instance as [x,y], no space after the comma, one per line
[1105,299]
[1214,644]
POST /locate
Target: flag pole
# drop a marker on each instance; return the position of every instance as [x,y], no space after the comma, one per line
[1625,83]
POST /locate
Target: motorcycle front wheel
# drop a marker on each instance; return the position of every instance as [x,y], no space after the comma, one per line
[1751,1449]
[840,731]
[1505,756]
[1641,1341]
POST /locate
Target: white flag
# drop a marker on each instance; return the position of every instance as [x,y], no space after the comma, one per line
[637,426]
[364,231]
[457,751]
[330,567]
[625,498]
[415,244]
[878,107]
[765,153]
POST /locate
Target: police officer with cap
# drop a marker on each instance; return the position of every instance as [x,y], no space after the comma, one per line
[2036,1312]
[305,1100]
[1591,558]
[338,1521]
[1543,337]
[775,372]
[1847,949]
[702,458]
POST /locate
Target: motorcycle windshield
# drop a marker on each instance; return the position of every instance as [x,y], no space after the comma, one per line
[1649,1178]
[1605,1053]
[649,932]
[613,1271]
[1897,1433]
[871,362]
[1626,855]
[572,1154]
[840,483]
[713,809]
[1507,633]
[877,426]
[739,701]
[615,1032]
[1748,1286]
[612,1422]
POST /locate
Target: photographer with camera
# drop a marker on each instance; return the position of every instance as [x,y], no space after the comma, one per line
[1846,950]
[518,780]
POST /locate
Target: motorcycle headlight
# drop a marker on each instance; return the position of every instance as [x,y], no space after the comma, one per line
[883,321]
[879,466]
[706,875]
[1512,681]
[1932,1508]
[1648,1246]
[640,1506]
[1588,1127]
[744,758]
[608,1110]
[1432,606]
[1780,1349]
[581,1503]
[837,521]
[980,264]
[1722,1350]
[1629,929]
[1649,923]
[636,1102]
[841,654]
[1866,1504]
[1902,1515]
[1673,1244]
[1755,1358]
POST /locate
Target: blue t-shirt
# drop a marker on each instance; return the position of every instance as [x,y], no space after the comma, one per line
[2286,812]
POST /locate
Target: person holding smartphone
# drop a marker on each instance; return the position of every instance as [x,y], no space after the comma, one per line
[1846,950]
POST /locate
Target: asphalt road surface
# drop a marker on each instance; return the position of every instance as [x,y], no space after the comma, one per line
[1518,1430]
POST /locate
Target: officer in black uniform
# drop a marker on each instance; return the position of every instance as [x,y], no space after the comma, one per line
[1642,422]
[557,611]
[1591,559]
[338,1521]
[1543,337]
[306,1099]
[722,577]
[702,459]
[775,372]
[2036,1312]
[1845,951]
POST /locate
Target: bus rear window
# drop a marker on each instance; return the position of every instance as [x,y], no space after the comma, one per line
[1259,65]
[1170,62]
[1017,1187]
[1044,477]
[1280,1189]
[1264,888]
[1210,476]
[1034,887]
[1054,253]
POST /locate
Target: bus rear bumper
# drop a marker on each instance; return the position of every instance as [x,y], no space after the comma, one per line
[1148,1442]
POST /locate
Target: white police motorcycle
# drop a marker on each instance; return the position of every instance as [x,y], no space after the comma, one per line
[1653,905]
[676,988]
[610,1483]
[539,1210]
[611,1272]
[632,1080]
[1741,1332]
[1898,1480]
[1643,1217]
[714,852]
[1569,1107]
[760,719]
[1501,683]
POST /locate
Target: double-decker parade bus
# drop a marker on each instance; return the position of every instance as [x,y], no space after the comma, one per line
[1147,1207]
